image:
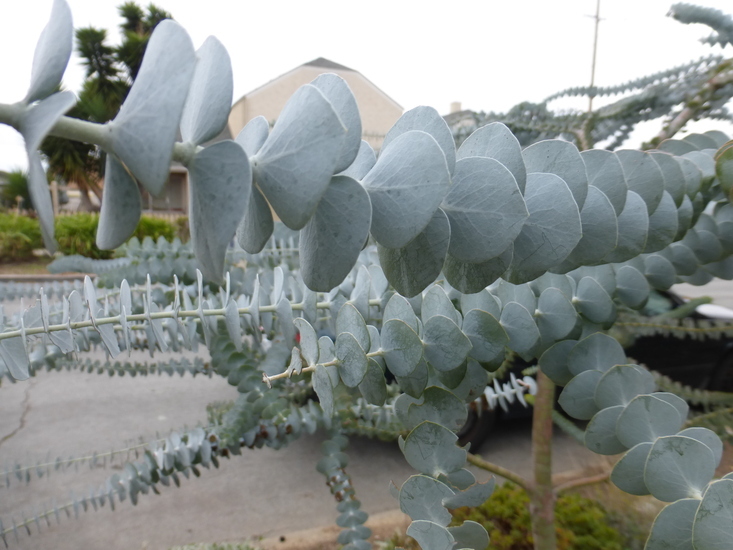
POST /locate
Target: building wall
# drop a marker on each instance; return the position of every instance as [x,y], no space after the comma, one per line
[378,112]
[175,195]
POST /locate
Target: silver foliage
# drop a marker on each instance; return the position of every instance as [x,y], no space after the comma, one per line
[543,294]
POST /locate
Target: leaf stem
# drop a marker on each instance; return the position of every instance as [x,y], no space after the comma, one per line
[81,130]
[157,315]
[498,470]
[581,482]
[694,107]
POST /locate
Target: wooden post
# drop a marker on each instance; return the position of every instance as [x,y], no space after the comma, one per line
[55,197]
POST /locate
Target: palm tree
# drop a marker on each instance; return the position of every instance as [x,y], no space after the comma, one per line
[16,186]
[136,30]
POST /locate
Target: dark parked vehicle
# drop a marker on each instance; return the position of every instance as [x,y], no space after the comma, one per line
[704,363]
[700,363]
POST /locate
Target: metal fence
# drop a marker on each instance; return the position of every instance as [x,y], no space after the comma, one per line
[162,214]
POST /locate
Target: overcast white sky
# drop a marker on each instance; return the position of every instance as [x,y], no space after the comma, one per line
[487,54]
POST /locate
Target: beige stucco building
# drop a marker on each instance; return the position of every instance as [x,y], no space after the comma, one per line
[378,111]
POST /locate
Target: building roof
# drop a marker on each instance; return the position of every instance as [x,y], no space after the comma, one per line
[323,63]
[459,116]
[327,64]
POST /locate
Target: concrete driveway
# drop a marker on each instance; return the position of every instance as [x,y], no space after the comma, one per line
[263,493]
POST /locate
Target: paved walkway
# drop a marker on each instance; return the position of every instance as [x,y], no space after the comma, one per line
[721,291]
[263,493]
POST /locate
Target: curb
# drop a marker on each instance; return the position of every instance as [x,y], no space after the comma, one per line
[43,277]
[383,525]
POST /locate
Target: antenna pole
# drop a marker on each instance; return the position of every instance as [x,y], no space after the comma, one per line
[595,50]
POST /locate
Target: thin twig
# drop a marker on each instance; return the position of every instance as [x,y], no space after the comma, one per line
[693,107]
[498,470]
[581,482]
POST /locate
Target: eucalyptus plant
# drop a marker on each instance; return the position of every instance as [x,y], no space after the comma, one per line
[695,90]
[417,272]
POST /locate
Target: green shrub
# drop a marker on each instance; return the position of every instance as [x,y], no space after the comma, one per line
[581,523]
[149,226]
[76,234]
[16,186]
[19,236]
[183,231]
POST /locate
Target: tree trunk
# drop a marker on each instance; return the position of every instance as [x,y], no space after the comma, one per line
[541,497]
[86,204]
[96,188]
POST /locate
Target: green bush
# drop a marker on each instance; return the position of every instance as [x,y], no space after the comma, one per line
[149,226]
[581,523]
[16,186]
[183,231]
[76,234]
[19,236]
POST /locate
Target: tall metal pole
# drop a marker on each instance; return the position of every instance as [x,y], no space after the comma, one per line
[595,50]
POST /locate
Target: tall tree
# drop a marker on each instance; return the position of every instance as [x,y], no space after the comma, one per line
[110,72]
[136,29]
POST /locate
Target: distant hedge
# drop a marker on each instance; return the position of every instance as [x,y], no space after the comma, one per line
[75,234]
[19,236]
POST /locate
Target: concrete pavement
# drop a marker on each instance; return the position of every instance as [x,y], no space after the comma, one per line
[721,291]
[263,493]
